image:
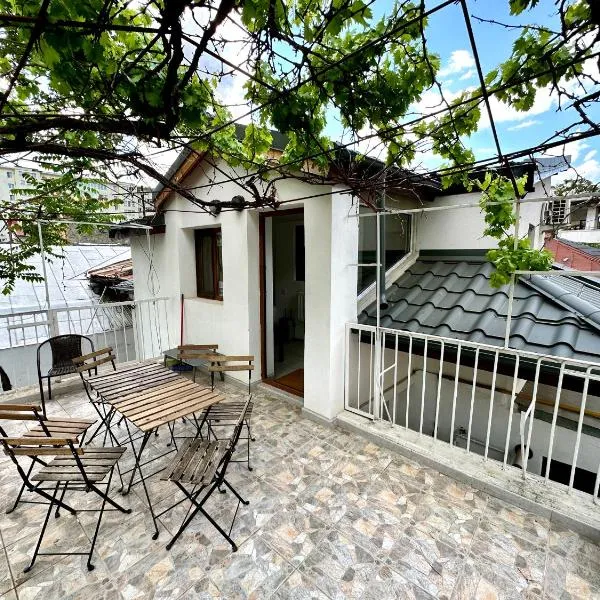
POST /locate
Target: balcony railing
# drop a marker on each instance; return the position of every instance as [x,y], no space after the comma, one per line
[538,413]
[135,330]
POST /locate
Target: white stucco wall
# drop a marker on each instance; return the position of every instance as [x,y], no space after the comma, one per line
[234,322]
[331,239]
[462,228]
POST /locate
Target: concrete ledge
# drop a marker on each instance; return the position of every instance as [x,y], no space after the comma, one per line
[574,510]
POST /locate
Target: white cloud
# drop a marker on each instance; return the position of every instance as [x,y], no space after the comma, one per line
[524,125]
[573,149]
[578,150]
[460,60]
[467,75]
[504,113]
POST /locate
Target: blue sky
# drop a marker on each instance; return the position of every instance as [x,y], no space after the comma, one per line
[447,36]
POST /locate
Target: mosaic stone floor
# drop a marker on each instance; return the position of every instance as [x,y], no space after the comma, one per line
[331,516]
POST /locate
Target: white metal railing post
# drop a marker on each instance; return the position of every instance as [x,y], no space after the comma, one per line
[586,385]
[53,328]
[554,418]
[513,395]
[377,355]
[377,376]
[347,365]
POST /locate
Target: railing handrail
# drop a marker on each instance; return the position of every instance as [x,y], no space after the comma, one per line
[482,346]
[81,307]
[382,396]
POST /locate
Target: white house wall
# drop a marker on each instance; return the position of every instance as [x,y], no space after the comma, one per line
[462,228]
[234,323]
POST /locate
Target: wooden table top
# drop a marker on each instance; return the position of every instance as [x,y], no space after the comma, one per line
[150,395]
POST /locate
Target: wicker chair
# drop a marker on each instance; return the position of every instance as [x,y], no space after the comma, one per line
[63,348]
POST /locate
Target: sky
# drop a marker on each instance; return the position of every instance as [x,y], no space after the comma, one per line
[517,130]
[447,36]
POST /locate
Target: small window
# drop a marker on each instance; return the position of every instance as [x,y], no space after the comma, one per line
[11,186]
[209,263]
[9,174]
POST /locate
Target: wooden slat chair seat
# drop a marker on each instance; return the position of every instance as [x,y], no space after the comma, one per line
[61,428]
[69,468]
[96,462]
[226,414]
[199,468]
[195,463]
[67,428]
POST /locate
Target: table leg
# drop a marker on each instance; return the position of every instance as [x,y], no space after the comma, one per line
[138,467]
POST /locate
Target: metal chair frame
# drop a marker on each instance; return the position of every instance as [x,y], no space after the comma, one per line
[59,360]
[74,429]
[218,417]
[205,478]
[85,365]
[66,472]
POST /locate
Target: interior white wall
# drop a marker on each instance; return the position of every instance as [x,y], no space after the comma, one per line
[285,285]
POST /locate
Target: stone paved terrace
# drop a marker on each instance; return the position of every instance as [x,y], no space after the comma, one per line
[330,516]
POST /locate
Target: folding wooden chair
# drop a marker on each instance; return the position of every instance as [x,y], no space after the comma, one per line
[73,429]
[226,414]
[84,365]
[231,363]
[198,470]
[192,354]
[71,469]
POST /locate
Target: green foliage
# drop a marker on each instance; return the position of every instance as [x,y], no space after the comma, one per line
[101,96]
[579,185]
[497,203]
[64,196]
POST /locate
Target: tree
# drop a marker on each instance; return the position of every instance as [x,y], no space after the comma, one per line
[579,185]
[100,87]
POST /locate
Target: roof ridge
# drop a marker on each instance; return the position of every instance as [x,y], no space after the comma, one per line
[582,308]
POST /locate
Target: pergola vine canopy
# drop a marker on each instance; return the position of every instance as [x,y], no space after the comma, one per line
[101,88]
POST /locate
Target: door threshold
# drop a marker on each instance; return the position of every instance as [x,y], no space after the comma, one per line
[286,388]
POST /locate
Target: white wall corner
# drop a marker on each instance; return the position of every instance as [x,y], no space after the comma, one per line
[331,249]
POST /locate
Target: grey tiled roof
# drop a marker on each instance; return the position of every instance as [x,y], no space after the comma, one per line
[452,297]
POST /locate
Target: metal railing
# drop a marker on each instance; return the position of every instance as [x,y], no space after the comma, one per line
[136,330]
[519,408]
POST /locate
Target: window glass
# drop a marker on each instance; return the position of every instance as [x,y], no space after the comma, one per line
[397,244]
[209,263]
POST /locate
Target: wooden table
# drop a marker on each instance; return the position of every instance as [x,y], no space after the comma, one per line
[148,396]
